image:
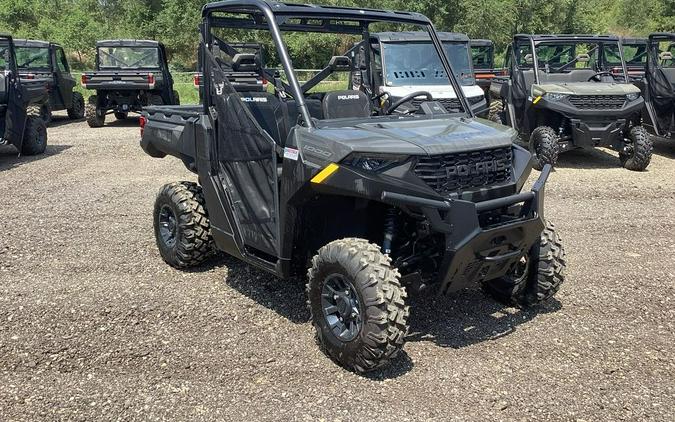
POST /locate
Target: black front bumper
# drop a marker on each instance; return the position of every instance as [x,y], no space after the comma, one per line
[476,251]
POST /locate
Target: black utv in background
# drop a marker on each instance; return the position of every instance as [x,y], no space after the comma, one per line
[20,101]
[130,74]
[658,85]
[45,60]
[562,94]
[365,203]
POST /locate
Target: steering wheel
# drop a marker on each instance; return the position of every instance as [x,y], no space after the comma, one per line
[604,72]
[407,98]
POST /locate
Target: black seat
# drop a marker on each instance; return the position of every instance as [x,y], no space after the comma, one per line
[268,112]
[346,104]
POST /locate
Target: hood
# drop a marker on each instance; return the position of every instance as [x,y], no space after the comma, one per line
[585,88]
[436,91]
[405,136]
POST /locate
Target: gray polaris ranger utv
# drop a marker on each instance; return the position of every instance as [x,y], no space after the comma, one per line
[46,60]
[366,204]
[561,95]
[20,102]
[129,75]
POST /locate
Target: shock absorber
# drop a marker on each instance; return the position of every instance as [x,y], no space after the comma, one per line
[390,220]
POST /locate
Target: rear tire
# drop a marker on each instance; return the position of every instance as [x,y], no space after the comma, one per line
[642,150]
[544,146]
[94,119]
[528,286]
[363,325]
[181,223]
[76,110]
[34,136]
[46,113]
[121,115]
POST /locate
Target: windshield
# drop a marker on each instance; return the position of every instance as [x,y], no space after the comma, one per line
[128,57]
[417,63]
[32,58]
[482,57]
[634,54]
[567,57]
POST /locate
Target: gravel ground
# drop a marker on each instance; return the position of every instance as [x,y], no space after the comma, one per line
[93,325]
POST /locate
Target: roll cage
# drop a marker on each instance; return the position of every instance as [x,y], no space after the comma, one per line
[533,41]
[276,18]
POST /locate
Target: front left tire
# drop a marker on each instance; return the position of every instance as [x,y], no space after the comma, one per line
[181,223]
[357,304]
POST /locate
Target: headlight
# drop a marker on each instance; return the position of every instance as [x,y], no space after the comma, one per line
[632,96]
[373,162]
[554,96]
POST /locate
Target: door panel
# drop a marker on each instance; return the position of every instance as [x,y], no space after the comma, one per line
[15,120]
[64,80]
[247,161]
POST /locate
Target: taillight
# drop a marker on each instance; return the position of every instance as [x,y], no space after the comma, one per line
[151,79]
[142,121]
[264,84]
[84,80]
[29,76]
[197,80]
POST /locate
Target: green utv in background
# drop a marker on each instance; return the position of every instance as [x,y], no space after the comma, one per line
[46,60]
[20,103]
[561,94]
[367,204]
[129,75]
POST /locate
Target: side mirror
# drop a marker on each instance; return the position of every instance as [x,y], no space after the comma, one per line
[340,64]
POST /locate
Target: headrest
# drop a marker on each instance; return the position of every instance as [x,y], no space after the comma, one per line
[529,58]
[245,62]
[340,64]
[583,58]
[342,104]
[666,55]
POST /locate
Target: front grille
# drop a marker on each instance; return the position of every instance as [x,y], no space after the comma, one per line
[455,173]
[598,102]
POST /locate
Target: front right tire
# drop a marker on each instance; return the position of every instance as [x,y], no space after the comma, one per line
[536,278]
[641,152]
[357,304]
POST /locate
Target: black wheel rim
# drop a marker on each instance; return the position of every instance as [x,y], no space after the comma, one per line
[167,226]
[520,270]
[341,307]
